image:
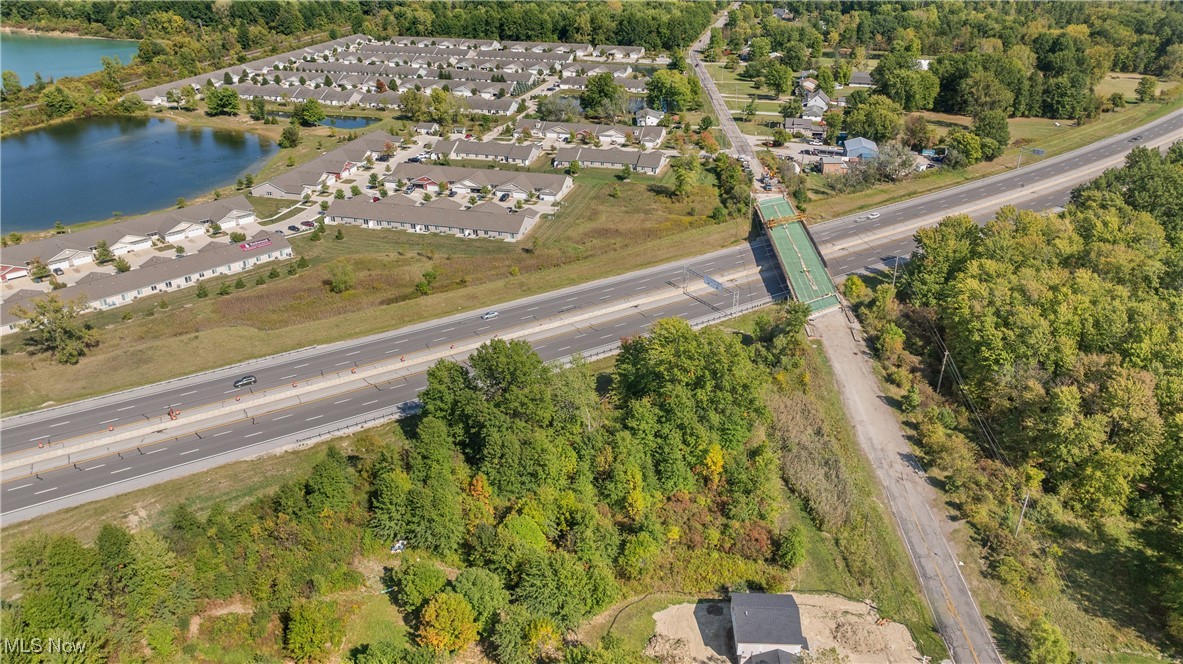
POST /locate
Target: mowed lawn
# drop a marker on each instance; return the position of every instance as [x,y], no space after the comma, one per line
[593,235]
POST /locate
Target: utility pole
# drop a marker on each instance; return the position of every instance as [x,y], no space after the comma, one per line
[1022,512]
[944,360]
[894,270]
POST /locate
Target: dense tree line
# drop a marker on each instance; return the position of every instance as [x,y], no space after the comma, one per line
[1067,334]
[550,496]
[1023,59]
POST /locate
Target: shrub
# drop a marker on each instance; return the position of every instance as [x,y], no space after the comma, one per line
[790,548]
[418,582]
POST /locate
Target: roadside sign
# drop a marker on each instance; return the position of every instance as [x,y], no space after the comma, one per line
[1038,152]
[713,284]
[928,152]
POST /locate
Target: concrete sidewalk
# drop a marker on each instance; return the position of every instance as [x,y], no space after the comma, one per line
[908,493]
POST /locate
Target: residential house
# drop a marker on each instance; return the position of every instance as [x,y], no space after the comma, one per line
[861,79]
[647,117]
[509,153]
[833,165]
[485,220]
[650,162]
[766,628]
[518,184]
[860,148]
[815,106]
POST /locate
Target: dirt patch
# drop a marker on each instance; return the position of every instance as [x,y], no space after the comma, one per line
[216,609]
[700,633]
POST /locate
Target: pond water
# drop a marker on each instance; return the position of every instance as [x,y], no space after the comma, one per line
[338,121]
[56,57]
[88,169]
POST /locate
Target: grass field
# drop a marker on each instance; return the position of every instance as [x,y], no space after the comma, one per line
[593,235]
[1126,84]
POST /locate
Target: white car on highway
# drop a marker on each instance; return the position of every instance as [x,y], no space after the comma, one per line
[873,215]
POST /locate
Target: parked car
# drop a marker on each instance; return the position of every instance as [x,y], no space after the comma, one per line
[244,381]
[490,314]
[278,231]
[294,229]
[504,197]
[413,160]
[58,271]
[815,142]
[376,199]
[451,193]
[467,136]
[308,224]
[409,190]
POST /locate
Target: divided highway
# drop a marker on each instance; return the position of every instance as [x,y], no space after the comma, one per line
[49,490]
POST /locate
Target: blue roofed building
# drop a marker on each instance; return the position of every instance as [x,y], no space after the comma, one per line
[861,148]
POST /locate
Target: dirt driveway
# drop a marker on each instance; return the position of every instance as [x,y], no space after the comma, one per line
[700,633]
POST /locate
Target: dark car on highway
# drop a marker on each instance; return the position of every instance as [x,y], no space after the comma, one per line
[245,380]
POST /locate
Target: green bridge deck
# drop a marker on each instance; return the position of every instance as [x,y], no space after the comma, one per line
[803,268]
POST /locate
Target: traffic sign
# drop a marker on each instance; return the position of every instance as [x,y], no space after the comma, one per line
[1038,152]
[713,284]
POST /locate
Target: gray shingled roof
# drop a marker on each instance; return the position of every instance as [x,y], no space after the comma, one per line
[767,619]
[484,217]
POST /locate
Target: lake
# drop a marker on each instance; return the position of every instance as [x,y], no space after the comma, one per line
[56,57]
[338,121]
[88,169]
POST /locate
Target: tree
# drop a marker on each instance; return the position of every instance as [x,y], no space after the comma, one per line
[917,134]
[790,547]
[290,137]
[557,586]
[485,593]
[1146,89]
[834,121]
[1046,644]
[572,168]
[683,182]
[992,125]
[308,113]
[791,108]
[749,110]
[878,119]
[237,236]
[225,288]
[12,84]
[102,253]
[257,108]
[239,284]
[202,291]
[780,137]
[968,145]
[414,105]
[341,277]
[57,102]
[313,630]
[825,81]
[982,91]
[354,190]
[445,107]
[447,623]
[603,97]
[419,582]
[671,91]
[778,78]
[121,265]
[222,101]
[52,327]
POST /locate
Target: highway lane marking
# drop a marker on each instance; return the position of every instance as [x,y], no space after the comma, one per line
[620,324]
[608,290]
[221,433]
[287,377]
[281,417]
[185,394]
[189,451]
[38,493]
[370,402]
[59,424]
[252,434]
[353,353]
[483,328]
[342,363]
[19,487]
[526,316]
[124,408]
[317,417]
[564,348]
[418,390]
[109,421]
[392,350]
[159,449]
[449,329]
[229,391]
[341,401]
[401,341]
[121,470]
[95,467]
[571,298]
[440,339]
[300,365]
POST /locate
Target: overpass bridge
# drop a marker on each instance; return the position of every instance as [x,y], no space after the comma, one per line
[804,270]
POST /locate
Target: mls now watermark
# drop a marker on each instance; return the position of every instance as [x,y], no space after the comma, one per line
[39,646]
